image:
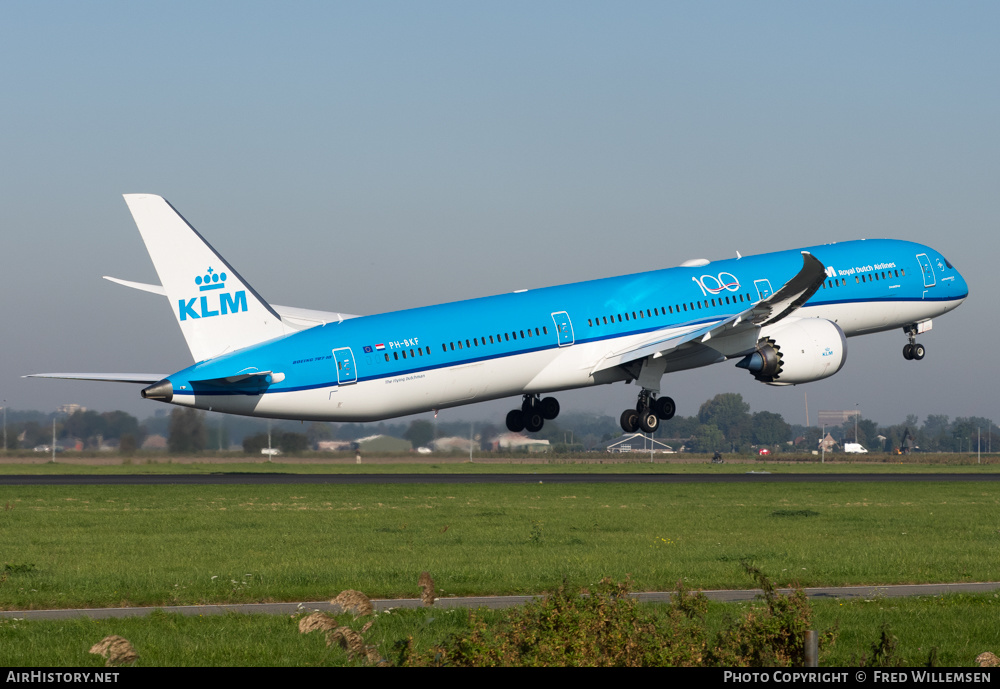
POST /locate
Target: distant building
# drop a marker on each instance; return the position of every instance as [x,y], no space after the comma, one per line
[828,444]
[515,442]
[382,443]
[70,409]
[154,442]
[335,445]
[637,442]
[837,418]
[453,444]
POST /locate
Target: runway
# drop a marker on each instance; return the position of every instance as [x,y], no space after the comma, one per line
[261,479]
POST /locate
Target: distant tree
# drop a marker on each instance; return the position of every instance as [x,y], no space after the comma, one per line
[286,441]
[127,444]
[88,425]
[187,431]
[487,433]
[707,438]
[770,429]
[119,423]
[730,414]
[420,433]
[318,432]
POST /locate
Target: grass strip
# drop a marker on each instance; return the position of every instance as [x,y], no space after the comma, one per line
[959,627]
[108,546]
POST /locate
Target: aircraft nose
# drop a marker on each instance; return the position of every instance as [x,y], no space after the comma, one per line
[961,287]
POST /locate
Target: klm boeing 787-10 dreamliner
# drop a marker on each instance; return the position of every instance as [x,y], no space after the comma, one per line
[784,317]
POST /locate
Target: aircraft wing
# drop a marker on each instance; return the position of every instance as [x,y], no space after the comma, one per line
[786,300]
[141,378]
[292,315]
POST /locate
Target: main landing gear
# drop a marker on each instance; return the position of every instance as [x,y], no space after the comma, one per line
[914,350]
[532,415]
[648,413]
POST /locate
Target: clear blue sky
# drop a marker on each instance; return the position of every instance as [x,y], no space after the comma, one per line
[373,156]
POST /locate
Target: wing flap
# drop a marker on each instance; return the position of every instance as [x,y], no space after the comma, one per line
[792,295]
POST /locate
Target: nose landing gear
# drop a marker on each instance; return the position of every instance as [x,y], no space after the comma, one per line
[913,351]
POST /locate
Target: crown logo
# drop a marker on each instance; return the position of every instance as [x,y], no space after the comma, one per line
[211,280]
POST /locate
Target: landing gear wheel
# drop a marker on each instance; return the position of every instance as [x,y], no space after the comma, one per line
[908,352]
[649,421]
[533,421]
[918,352]
[630,421]
[549,407]
[665,408]
[515,421]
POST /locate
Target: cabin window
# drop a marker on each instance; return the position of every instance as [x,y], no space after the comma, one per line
[857,280]
[529,332]
[626,315]
[590,323]
[506,337]
[685,306]
[545,331]
[452,346]
[395,355]
[536,331]
[387,356]
[467,345]
[633,315]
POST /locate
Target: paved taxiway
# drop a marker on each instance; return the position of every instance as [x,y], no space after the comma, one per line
[357,479]
[867,592]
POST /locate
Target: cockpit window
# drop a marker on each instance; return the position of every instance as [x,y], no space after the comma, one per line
[948,263]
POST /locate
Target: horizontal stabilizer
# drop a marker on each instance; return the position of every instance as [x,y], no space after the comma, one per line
[140,378]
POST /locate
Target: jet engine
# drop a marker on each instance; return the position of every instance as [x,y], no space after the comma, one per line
[798,350]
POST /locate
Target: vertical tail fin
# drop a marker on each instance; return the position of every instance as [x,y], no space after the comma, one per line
[215,307]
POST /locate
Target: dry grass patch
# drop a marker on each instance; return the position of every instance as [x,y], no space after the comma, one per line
[116,649]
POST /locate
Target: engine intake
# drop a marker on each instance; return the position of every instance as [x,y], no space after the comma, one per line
[797,351]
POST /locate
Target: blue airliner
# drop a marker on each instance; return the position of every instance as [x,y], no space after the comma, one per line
[784,317]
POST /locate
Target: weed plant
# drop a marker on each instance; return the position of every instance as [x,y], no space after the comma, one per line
[952,629]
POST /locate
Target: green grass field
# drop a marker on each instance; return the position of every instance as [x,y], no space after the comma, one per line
[144,545]
[315,463]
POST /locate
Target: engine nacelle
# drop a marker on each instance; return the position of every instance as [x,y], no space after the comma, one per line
[798,350]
